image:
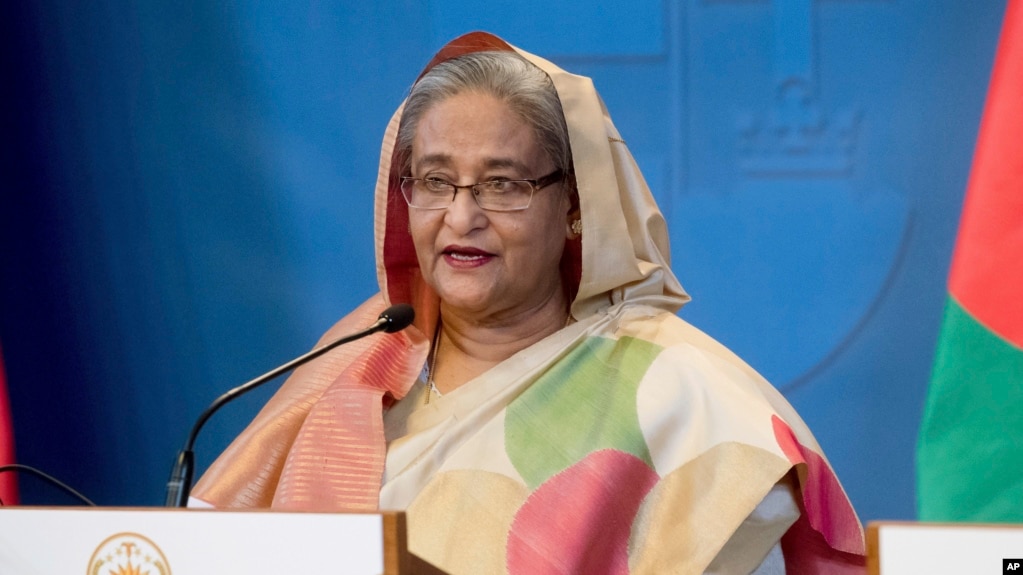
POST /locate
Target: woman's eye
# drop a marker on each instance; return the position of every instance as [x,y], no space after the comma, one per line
[436,185]
[496,186]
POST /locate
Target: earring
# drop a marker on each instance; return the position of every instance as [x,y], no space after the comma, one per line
[577,227]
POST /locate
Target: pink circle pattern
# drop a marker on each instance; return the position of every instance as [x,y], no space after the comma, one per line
[579,520]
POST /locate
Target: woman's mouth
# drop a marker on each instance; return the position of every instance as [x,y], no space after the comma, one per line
[465,257]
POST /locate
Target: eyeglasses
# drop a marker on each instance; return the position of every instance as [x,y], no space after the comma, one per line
[495,195]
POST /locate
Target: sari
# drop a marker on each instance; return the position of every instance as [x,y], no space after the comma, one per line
[626,442]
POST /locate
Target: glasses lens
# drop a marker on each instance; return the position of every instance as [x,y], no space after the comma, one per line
[503,196]
[427,194]
[406,190]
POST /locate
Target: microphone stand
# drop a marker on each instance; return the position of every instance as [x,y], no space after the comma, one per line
[394,318]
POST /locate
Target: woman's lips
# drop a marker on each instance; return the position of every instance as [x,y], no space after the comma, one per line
[465,257]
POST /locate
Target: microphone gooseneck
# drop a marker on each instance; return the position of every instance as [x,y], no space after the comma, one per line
[391,320]
[48,478]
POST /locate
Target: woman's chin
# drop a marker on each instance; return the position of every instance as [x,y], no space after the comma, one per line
[460,293]
[467,304]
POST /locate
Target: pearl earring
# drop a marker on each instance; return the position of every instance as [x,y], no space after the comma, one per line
[577,227]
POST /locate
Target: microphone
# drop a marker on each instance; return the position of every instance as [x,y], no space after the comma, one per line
[393,319]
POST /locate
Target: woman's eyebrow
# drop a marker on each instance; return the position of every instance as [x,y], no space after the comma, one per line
[506,163]
[445,160]
[433,160]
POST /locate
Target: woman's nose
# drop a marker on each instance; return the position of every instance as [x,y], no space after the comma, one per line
[464,214]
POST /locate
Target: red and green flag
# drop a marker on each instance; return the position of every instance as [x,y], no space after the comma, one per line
[970,450]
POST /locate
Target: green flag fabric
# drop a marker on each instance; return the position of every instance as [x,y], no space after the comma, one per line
[970,450]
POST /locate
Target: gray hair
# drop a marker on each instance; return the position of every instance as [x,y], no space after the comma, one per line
[526,89]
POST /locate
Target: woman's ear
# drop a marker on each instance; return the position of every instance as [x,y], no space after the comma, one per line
[573,220]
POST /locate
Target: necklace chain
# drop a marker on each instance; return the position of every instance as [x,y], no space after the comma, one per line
[431,385]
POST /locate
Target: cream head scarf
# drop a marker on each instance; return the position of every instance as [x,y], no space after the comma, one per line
[624,253]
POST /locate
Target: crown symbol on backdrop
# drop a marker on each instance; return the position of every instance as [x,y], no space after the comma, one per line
[796,138]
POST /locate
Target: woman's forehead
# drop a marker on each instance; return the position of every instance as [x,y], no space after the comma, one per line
[476,128]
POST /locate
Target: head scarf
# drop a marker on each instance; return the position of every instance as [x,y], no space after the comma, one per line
[624,253]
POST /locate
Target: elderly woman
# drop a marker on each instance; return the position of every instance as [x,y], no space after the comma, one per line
[548,411]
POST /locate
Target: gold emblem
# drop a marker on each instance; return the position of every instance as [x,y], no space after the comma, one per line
[128,554]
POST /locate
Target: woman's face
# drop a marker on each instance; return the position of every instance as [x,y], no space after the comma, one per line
[485,263]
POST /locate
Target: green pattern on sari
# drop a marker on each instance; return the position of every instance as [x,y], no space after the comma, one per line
[548,429]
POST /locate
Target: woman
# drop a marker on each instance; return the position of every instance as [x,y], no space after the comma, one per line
[548,412]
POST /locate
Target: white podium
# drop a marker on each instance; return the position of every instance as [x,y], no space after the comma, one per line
[907,548]
[158,541]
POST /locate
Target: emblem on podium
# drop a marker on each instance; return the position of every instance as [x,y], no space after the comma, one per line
[128,554]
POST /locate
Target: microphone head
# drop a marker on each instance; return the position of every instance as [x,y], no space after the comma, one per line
[397,317]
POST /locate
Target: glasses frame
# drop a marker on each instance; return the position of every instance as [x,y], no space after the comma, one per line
[534,185]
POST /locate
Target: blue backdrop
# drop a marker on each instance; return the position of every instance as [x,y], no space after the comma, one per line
[187,200]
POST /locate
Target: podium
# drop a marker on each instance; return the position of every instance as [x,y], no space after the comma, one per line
[908,548]
[159,541]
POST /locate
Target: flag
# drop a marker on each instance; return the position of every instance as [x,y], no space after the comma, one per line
[970,448]
[8,481]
